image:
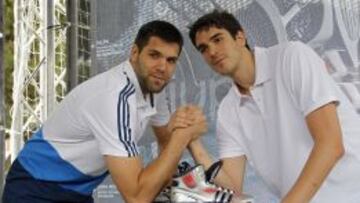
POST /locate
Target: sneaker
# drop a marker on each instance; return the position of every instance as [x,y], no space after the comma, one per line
[195,185]
[164,196]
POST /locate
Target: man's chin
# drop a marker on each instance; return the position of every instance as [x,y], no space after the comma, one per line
[156,90]
[219,69]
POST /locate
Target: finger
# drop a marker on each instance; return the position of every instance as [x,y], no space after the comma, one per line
[188,119]
[194,114]
[179,126]
[182,109]
[199,118]
[193,109]
[182,115]
[197,114]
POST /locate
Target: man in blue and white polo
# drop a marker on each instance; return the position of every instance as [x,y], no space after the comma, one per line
[95,130]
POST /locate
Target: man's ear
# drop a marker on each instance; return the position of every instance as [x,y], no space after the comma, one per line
[241,38]
[134,52]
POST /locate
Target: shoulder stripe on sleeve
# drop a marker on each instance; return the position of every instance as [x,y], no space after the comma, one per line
[123,119]
[126,122]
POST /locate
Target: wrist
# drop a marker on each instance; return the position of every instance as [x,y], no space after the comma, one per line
[194,144]
[180,138]
[292,198]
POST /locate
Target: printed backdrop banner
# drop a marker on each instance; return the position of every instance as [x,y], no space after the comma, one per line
[330,27]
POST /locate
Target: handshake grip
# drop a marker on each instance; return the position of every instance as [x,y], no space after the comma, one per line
[190,120]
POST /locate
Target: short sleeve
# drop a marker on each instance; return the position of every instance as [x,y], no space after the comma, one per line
[162,115]
[109,116]
[228,136]
[306,78]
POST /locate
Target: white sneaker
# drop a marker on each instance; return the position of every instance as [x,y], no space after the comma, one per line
[192,186]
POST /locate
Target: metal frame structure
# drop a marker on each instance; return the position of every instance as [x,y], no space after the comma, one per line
[85,68]
[80,51]
[39,65]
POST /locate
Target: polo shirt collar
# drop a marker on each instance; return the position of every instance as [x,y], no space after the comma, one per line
[262,69]
[130,73]
[262,73]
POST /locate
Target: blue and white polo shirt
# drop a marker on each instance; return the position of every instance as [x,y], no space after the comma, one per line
[105,115]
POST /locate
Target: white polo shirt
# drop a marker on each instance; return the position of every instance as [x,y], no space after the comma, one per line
[270,128]
[105,115]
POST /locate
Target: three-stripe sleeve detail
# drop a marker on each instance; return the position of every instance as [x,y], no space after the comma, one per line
[123,119]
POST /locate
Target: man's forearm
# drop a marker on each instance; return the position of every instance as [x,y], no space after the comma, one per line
[162,135]
[155,176]
[202,157]
[322,159]
[199,153]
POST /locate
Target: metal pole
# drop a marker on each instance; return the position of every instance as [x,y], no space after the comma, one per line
[93,23]
[2,100]
[43,67]
[50,48]
[72,43]
[16,141]
[47,50]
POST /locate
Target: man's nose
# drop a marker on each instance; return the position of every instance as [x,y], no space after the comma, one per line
[162,64]
[212,51]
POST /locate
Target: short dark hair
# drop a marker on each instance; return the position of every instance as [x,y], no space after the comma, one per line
[218,19]
[162,29]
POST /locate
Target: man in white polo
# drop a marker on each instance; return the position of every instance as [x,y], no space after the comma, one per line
[283,113]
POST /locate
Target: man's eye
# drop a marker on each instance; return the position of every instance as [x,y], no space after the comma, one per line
[202,49]
[218,39]
[172,61]
[154,55]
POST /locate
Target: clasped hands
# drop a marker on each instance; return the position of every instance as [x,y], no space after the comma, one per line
[188,121]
